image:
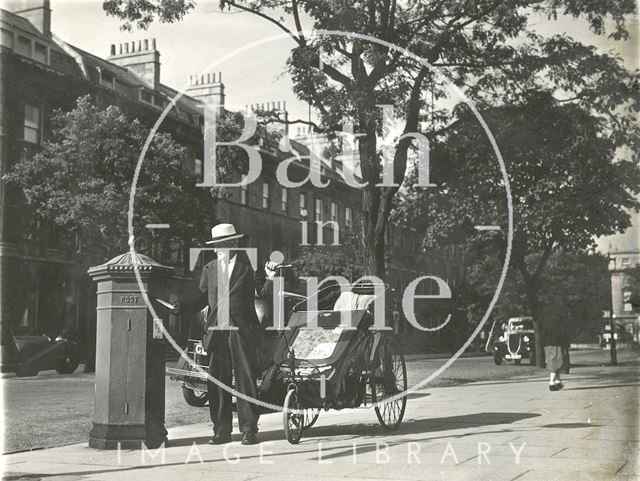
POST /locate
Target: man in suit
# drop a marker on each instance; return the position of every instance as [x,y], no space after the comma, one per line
[232,334]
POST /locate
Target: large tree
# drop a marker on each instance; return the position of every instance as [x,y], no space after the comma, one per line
[81,180]
[480,45]
[570,182]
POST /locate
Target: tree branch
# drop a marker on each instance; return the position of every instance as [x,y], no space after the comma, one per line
[260,14]
[545,257]
[296,19]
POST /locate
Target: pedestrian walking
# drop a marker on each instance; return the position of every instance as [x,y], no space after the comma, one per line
[555,342]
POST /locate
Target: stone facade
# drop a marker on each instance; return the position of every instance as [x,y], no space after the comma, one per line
[44,290]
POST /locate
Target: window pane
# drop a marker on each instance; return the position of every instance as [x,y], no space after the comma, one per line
[243,189]
[31,124]
[303,206]
[106,79]
[318,209]
[6,38]
[40,53]
[31,115]
[23,47]
[265,195]
[334,211]
[284,200]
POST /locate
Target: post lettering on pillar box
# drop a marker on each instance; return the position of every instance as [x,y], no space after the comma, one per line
[211,143]
[390,147]
[315,168]
[444,292]
[333,225]
[223,285]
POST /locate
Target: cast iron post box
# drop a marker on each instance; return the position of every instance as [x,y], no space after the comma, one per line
[130,379]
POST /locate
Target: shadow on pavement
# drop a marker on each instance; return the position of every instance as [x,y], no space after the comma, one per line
[570,425]
[364,431]
[603,386]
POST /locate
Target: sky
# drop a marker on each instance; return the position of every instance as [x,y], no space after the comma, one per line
[256,75]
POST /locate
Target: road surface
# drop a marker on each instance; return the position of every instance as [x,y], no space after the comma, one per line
[52,410]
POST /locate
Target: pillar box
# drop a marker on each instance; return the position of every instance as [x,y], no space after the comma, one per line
[130,379]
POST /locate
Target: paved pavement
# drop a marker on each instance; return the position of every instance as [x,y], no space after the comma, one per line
[587,431]
[52,409]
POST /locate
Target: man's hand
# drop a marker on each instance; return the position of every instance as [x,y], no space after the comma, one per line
[270,269]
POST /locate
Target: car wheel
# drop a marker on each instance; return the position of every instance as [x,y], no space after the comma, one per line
[194,397]
[66,365]
[497,359]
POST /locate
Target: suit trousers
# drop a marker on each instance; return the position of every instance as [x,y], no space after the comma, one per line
[230,354]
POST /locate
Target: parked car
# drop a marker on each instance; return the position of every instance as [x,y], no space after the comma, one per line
[28,355]
[516,341]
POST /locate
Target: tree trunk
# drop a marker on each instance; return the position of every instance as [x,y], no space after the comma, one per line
[532,290]
[373,222]
[373,252]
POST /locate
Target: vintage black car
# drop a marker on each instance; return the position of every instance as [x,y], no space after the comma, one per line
[515,342]
[28,355]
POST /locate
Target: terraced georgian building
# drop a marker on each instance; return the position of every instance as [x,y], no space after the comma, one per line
[44,289]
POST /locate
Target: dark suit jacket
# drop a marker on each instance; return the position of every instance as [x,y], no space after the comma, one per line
[242,311]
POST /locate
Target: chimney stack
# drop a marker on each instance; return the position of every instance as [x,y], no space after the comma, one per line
[280,108]
[38,12]
[141,57]
[208,88]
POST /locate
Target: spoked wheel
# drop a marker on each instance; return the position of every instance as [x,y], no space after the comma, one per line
[388,383]
[293,421]
[310,417]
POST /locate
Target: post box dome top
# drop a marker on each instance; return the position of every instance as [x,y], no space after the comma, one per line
[127,263]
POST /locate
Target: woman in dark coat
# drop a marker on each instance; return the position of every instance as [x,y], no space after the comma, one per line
[554,340]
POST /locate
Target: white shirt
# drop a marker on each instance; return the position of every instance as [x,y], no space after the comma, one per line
[228,264]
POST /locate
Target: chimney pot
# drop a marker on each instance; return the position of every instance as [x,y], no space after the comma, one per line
[146,44]
[139,45]
[113,50]
[219,76]
[153,43]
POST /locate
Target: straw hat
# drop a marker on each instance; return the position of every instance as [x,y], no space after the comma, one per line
[223,232]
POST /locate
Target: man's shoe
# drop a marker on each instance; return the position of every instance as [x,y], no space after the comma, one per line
[559,386]
[249,438]
[220,439]
[553,387]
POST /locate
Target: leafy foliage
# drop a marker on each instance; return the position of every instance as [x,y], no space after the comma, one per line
[82,178]
[569,183]
[486,47]
[323,261]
